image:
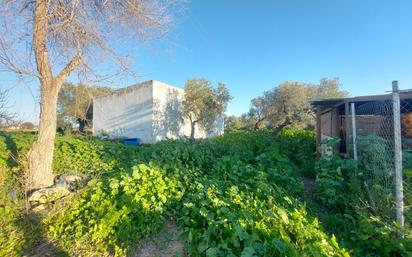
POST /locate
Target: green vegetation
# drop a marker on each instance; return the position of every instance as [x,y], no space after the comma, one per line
[360,201]
[234,195]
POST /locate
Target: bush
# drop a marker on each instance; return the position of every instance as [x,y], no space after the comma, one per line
[300,147]
[360,208]
[232,196]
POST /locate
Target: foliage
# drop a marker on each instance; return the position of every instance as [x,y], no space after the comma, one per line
[235,123]
[363,217]
[116,212]
[288,104]
[300,147]
[257,112]
[203,104]
[233,196]
[75,102]
[27,125]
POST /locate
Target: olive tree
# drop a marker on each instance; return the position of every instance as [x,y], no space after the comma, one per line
[257,112]
[288,104]
[51,39]
[76,102]
[203,104]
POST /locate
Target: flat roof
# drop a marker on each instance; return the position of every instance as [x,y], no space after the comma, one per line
[127,89]
[330,102]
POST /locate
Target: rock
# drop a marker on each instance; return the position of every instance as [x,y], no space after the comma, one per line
[39,208]
[71,182]
[71,178]
[47,195]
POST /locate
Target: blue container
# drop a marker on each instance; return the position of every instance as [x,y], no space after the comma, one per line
[131,141]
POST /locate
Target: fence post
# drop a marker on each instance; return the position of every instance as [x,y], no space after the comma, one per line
[398,153]
[355,150]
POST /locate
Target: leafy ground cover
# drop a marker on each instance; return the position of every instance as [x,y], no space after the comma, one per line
[234,195]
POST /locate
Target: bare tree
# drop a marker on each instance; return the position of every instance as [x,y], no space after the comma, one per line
[51,39]
[6,116]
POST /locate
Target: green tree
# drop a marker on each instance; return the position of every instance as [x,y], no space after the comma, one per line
[75,103]
[288,105]
[257,113]
[203,104]
[27,125]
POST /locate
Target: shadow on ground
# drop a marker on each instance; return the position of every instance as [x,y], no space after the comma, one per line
[167,243]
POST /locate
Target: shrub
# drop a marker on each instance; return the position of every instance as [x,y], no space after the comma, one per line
[300,147]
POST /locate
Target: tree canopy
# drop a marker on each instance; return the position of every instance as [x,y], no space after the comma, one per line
[75,103]
[288,105]
[203,104]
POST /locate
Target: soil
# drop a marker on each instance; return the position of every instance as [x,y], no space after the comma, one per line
[167,243]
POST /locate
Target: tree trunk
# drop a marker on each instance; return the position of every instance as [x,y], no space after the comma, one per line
[40,156]
[41,153]
[82,124]
[256,127]
[192,130]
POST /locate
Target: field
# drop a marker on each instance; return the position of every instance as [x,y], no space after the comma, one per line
[241,194]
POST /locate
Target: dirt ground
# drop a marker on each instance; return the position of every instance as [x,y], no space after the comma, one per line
[166,244]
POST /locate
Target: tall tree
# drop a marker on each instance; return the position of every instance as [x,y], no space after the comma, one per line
[76,102]
[257,112]
[203,104]
[288,105]
[62,36]
[329,88]
[232,123]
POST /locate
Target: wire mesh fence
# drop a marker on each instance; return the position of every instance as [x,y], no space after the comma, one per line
[371,137]
[406,128]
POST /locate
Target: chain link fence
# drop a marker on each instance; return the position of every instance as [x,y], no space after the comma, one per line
[385,154]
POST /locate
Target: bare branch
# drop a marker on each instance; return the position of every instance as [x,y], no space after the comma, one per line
[65,72]
[6,117]
[89,28]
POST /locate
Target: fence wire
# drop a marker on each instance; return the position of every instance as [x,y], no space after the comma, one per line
[371,141]
[406,128]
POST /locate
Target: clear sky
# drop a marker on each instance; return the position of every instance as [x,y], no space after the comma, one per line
[253,46]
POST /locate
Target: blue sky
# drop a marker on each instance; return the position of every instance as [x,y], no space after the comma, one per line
[253,46]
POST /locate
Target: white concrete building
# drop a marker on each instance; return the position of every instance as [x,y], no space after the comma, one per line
[151,111]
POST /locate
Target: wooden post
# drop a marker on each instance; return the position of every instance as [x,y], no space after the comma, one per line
[355,151]
[347,128]
[334,127]
[318,130]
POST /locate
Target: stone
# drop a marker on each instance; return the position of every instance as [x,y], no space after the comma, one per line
[71,182]
[39,208]
[49,194]
[71,178]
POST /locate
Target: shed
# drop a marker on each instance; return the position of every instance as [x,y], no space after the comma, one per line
[372,116]
[150,111]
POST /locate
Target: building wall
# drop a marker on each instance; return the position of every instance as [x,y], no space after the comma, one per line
[151,111]
[126,113]
[168,120]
